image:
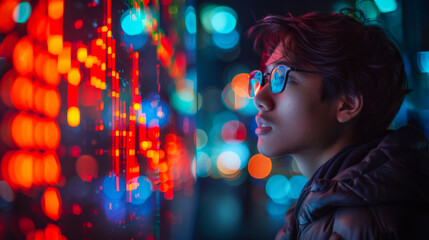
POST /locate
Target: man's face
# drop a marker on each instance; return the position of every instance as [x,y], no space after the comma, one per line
[295,121]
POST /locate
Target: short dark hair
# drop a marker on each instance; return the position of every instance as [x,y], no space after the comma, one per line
[353,57]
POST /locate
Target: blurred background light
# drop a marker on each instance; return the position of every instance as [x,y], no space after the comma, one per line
[368,8]
[297,183]
[142,191]
[201,136]
[73,116]
[205,17]
[113,187]
[132,21]
[233,132]
[87,168]
[22,12]
[203,164]
[423,61]
[191,20]
[277,187]
[223,19]
[386,5]
[228,162]
[226,40]
[155,110]
[259,166]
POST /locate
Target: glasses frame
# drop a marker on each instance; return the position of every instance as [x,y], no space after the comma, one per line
[264,79]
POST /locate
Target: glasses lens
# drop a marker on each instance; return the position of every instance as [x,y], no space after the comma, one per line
[278,79]
[255,79]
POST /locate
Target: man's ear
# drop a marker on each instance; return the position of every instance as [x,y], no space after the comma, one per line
[349,106]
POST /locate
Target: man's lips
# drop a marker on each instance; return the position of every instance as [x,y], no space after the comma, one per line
[263,126]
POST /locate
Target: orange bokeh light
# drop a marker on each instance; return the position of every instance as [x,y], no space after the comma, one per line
[55,43]
[259,166]
[50,72]
[240,83]
[73,76]
[22,93]
[55,9]
[22,130]
[52,135]
[64,59]
[73,116]
[51,203]
[82,53]
[52,103]
[23,56]
[52,168]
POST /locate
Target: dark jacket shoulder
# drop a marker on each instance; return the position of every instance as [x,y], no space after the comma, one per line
[384,194]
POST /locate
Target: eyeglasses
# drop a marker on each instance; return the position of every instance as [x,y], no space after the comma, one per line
[277,79]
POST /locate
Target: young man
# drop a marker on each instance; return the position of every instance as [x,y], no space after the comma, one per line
[327,90]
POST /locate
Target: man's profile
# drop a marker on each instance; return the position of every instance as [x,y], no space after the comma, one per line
[326,92]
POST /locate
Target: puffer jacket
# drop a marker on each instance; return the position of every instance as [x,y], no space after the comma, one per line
[377,190]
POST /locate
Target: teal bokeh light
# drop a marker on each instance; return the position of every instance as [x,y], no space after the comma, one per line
[223,19]
[423,61]
[22,12]
[297,183]
[386,5]
[132,22]
[226,41]
[277,187]
[191,20]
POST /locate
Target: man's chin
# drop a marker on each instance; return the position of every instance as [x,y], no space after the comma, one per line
[266,151]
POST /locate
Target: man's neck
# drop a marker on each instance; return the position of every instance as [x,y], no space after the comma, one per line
[309,162]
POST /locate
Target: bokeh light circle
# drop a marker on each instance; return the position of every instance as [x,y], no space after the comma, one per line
[259,166]
[234,132]
[226,41]
[132,22]
[223,19]
[201,140]
[86,167]
[113,187]
[297,183]
[203,164]
[142,191]
[22,12]
[190,20]
[277,187]
[228,162]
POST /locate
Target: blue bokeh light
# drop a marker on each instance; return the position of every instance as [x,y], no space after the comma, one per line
[226,41]
[132,22]
[143,191]
[137,41]
[191,20]
[297,183]
[386,5]
[223,19]
[155,110]
[110,188]
[423,61]
[115,210]
[277,187]
[22,12]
